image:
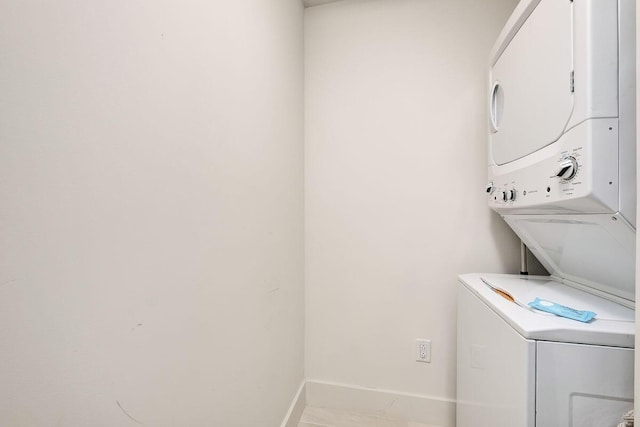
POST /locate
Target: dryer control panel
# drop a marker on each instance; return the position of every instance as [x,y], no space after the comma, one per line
[563,177]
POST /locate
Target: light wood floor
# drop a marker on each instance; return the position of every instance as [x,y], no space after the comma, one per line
[320,417]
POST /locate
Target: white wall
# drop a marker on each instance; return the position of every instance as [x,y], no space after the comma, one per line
[395,172]
[151,212]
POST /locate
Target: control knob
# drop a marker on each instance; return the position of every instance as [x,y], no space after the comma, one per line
[490,188]
[509,195]
[568,169]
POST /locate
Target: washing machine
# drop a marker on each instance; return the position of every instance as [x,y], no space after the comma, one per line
[518,367]
[562,174]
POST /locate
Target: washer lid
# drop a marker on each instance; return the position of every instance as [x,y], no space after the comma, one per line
[594,251]
[614,324]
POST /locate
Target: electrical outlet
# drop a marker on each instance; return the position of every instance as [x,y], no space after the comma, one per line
[423,350]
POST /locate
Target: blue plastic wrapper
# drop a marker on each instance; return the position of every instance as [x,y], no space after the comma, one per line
[561,310]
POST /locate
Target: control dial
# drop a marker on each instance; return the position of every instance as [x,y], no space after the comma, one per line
[490,188]
[568,169]
[508,195]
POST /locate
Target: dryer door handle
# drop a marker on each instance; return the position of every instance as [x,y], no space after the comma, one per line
[496,106]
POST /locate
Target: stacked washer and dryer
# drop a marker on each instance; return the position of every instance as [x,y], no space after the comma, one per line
[562,174]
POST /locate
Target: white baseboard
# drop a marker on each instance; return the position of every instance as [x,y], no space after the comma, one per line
[297,407]
[436,412]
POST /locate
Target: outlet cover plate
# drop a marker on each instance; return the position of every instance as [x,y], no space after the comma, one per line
[423,350]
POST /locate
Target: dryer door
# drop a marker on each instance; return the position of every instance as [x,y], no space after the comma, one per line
[531,97]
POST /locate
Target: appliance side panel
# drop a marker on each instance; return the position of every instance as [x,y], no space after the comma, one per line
[583,385]
[627,91]
[496,368]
